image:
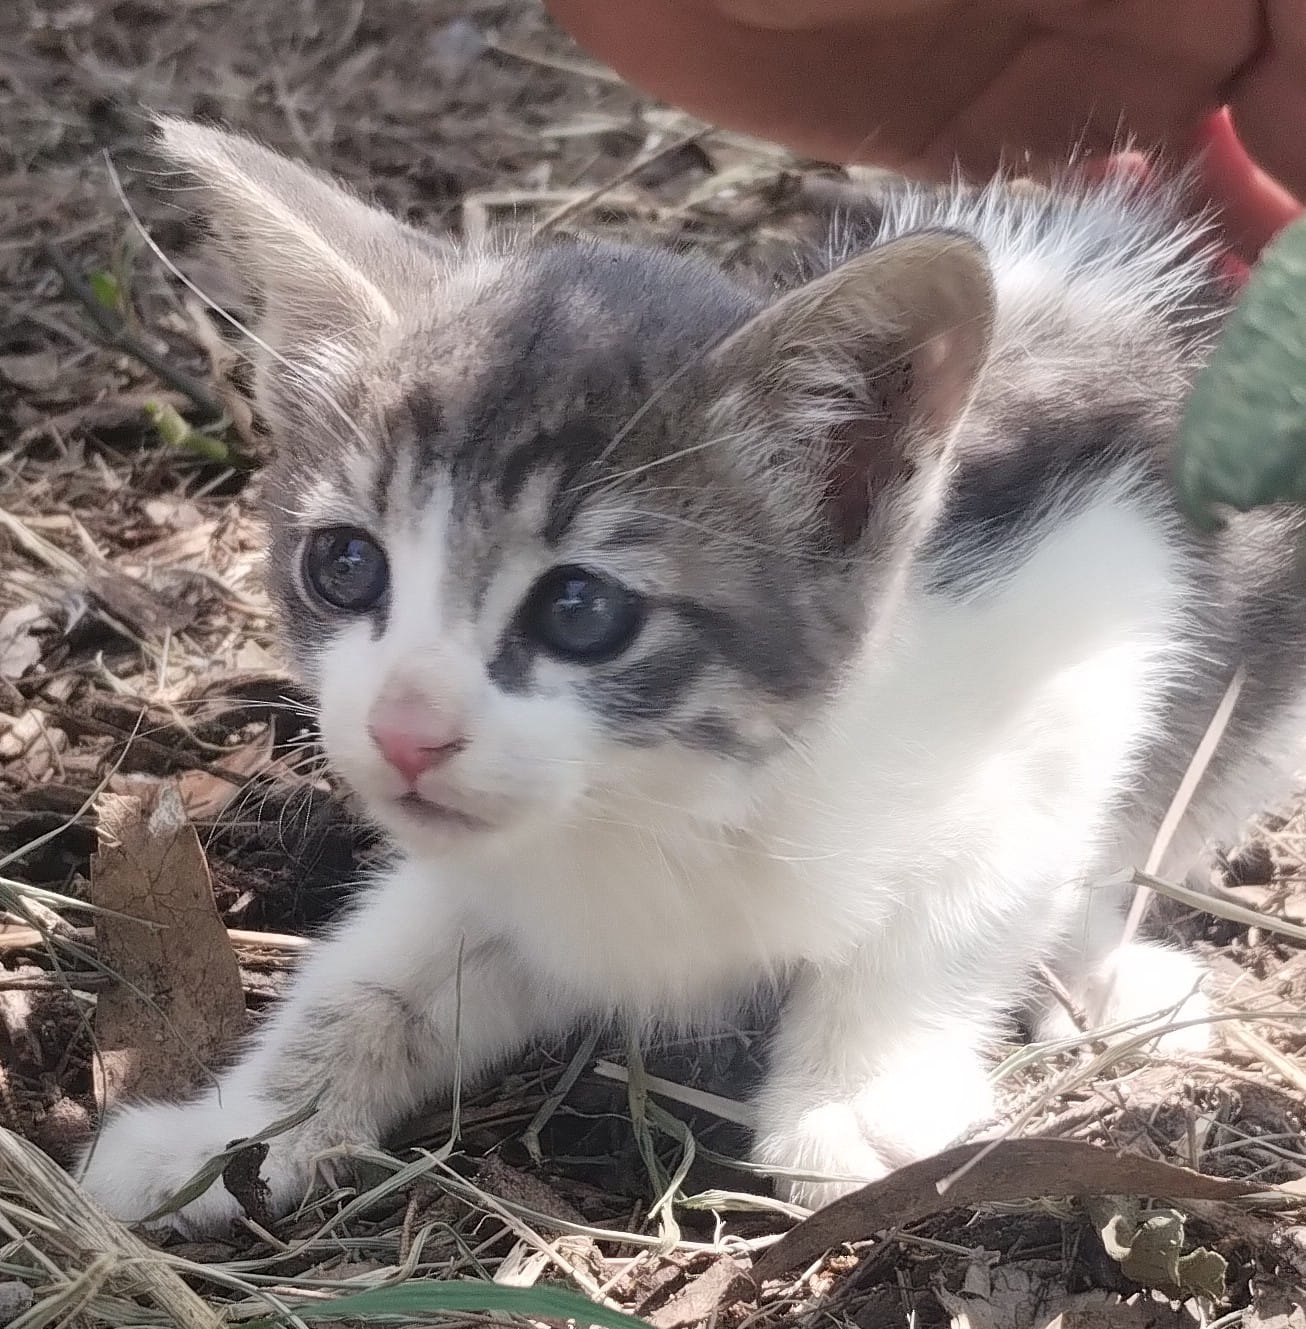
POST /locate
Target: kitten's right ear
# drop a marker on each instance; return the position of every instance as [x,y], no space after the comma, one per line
[870,366]
[324,267]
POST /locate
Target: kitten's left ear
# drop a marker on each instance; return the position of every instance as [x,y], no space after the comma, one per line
[324,266]
[869,368]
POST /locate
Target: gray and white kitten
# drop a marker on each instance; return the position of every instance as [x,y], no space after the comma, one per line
[689,640]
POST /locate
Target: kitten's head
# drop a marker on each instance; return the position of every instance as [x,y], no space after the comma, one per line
[571,528]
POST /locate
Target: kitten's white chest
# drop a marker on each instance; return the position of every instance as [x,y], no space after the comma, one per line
[661,924]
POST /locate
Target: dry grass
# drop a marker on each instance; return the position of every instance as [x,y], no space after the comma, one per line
[135,644]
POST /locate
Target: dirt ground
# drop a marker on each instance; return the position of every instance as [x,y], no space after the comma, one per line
[137,654]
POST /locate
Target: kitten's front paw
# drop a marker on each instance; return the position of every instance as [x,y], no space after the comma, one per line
[829,1145]
[144,1155]
[923,1100]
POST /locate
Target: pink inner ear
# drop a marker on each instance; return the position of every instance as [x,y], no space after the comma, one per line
[944,390]
[866,455]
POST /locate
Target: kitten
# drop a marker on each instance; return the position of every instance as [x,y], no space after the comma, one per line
[691,641]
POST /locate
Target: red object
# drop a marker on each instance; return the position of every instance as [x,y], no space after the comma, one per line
[1253,208]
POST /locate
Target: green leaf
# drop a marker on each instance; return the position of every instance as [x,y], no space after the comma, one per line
[419,1296]
[1243,438]
[1151,1256]
[174,430]
[1148,1245]
[1202,1274]
[107,289]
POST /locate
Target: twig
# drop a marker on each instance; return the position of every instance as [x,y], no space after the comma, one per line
[1174,814]
[107,411]
[1209,904]
[547,60]
[1062,994]
[40,548]
[44,982]
[1268,1055]
[26,939]
[728,1109]
[112,331]
[271,941]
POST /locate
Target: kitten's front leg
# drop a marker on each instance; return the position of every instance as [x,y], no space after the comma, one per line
[870,1070]
[373,1024]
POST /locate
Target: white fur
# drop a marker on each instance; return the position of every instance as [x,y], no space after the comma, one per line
[1106,247]
[900,872]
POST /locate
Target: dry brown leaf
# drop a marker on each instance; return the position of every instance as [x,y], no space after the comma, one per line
[180,1004]
[1009,1170]
[251,656]
[1012,1299]
[206,796]
[1105,1310]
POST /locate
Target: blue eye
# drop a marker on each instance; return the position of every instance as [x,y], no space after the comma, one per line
[346,568]
[578,615]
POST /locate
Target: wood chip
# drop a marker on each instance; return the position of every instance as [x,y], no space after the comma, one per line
[506,1182]
[722,1283]
[179,1006]
[137,605]
[20,647]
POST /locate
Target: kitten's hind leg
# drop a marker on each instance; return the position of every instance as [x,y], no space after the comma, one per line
[381,1018]
[1112,982]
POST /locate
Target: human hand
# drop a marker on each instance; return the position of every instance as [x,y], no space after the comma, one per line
[920,84]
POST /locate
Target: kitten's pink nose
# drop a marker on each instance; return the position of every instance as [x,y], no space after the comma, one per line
[412,738]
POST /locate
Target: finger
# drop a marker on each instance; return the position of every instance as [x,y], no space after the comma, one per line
[790,14]
[1252,206]
[805,88]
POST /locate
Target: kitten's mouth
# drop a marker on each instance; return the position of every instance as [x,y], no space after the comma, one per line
[438,814]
